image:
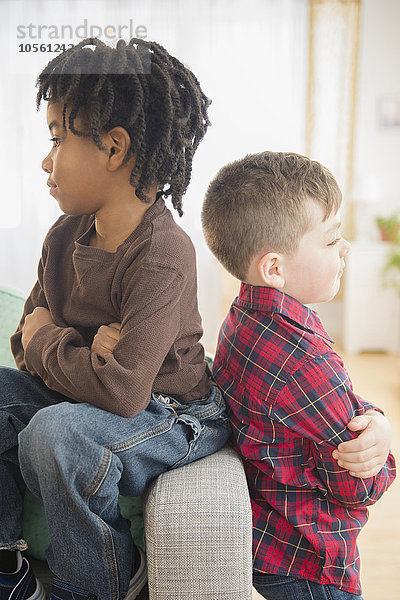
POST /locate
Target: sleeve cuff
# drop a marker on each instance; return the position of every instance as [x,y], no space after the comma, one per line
[44,338]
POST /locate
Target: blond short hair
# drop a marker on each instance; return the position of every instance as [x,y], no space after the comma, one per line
[259,204]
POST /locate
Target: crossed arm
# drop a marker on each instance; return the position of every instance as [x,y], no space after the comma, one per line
[363,457]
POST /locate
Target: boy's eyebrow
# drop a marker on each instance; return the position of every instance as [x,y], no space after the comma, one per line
[334,227]
[53,124]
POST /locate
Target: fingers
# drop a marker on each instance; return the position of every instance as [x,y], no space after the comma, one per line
[360,444]
[365,455]
[358,461]
[116,326]
[33,322]
[363,463]
[360,449]
[362,470]
[374,436]
[101,349]
[108,332]
[40,310]
[106,339]
[359,423]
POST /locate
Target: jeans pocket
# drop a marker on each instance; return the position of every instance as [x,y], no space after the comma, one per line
[193,431]
[281,587]
[286,587]
[277,587]
[204,423]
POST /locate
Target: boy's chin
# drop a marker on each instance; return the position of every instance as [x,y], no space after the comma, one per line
[336,290]
[71,211]
[332,295]
[324,298]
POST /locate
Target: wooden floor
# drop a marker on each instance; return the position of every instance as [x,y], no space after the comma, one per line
[376,377]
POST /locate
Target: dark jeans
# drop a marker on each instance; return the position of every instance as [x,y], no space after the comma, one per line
[279,587]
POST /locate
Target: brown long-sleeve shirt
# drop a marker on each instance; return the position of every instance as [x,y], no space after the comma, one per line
[148,285]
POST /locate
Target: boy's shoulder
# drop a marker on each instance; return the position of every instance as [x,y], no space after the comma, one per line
[264,350]
[68,227]
[160,242]
[170,245]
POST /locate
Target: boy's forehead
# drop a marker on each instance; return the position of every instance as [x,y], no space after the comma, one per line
[335,221]
[54,114]
[332,224]
[319,219]
[55,118]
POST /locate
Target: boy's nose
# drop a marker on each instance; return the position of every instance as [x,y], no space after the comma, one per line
[345,247]
[47,164]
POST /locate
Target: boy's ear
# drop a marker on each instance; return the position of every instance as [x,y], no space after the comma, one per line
[270,269]
[117,142]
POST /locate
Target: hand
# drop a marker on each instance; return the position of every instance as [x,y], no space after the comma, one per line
[365,456]
[33,322]
[106,339]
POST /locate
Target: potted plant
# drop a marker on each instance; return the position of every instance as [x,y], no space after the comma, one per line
[389,227]
[391,270]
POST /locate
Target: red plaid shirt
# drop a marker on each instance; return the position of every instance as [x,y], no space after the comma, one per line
[290,399]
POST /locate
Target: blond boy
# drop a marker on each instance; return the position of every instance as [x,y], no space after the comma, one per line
[273,221]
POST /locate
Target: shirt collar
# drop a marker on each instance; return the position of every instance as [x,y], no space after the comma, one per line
[155,210]
[270,300]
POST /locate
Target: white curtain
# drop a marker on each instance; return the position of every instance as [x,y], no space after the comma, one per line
[251,59]
[332,87]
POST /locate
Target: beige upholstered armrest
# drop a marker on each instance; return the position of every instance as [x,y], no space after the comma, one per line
[198,531]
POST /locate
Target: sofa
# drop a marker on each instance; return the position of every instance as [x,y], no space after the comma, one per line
[195,521]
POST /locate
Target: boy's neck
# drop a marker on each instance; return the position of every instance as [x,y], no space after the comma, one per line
[114,225]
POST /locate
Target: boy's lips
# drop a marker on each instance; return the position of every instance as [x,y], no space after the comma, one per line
[51,185]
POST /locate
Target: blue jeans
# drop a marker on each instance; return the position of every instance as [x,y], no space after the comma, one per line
[279,587]
[78,458]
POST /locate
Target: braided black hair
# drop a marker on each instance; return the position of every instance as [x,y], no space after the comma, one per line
[140,87]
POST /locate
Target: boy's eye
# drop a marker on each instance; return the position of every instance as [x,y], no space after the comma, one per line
[335,241]
[56,141]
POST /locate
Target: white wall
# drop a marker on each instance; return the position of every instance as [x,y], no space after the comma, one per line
[376,167]
[377,150]
[250,58]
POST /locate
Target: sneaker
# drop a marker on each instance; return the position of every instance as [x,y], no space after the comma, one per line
[65,591]
[22,584]
[139,579]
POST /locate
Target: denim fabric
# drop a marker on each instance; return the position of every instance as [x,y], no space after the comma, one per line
[279,587]
[79,458]
[21,396]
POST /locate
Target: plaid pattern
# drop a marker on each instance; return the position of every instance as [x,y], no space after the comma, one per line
[289,399]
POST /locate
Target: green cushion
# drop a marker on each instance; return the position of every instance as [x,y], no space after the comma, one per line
[11,306]
[36,532]
[209,359]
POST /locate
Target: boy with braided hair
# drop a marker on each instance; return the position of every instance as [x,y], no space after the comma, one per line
[272,219]
[112,387]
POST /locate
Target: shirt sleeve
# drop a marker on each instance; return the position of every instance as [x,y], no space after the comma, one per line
[317,403]
[122,381]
